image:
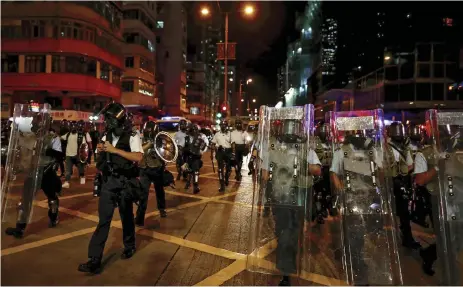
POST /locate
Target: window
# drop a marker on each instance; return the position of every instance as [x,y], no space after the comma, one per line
[150,46]
[35,64]
[160,24]
[127,86]
[131,38]
[10,63]
[104,71]
[194,110]
[145,88]
[11,32]
[129,62]
[58,64]
[66,29]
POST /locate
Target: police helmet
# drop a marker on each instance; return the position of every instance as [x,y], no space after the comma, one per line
[182,125]
[114,115]
[289,131]
[150,129]
[396,132]
[195,128]
[322,131]
[223,125]
[415,132]
[238,124]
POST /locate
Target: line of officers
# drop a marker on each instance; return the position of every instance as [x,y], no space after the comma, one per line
[410,155]
[127,166]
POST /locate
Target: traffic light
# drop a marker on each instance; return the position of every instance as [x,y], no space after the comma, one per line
[224,108]
[218,115]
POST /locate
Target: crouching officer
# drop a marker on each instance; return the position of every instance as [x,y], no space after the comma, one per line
[151,171]
[180,138]
[117,159]
[197,145]
[222,146]
[401,163]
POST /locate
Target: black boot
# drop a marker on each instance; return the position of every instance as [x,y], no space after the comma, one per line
[163,213]
[53,222]
[188,183]
[222,186]
[92,266]
[140,221]
[17,231]
[426,255]
[196,188]
[128,253]
[285,281]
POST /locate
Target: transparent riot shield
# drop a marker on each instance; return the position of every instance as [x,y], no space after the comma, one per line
[23,173]
[281,187]
[369,252]
[446,130]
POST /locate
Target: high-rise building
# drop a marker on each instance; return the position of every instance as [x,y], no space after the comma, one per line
[138,81]
[329,47]
[67,54]
[196,99]
[171,30]
[303,58]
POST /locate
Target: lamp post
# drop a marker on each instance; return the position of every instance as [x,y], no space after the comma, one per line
[248,11]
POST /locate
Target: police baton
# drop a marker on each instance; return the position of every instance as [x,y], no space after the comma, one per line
[212,160]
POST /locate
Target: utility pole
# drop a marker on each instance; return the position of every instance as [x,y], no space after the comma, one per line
[225,79]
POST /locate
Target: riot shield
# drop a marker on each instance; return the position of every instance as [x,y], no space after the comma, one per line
[23,165]
[368,229]
[446,130]
[281,186]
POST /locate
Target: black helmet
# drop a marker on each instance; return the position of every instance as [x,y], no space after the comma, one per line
[322,131]
[182,125]
[114,115]
[238,124]
[194,128]
[415,132]
[223,125]
[80,125]
[396,132]
[150,129]
[290,131]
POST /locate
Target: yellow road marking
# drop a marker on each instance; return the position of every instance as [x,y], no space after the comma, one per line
[46,241]
[224,275]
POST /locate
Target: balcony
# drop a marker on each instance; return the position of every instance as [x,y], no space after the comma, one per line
[54,82]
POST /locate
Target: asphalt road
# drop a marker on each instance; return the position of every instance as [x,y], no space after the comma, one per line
[204,240]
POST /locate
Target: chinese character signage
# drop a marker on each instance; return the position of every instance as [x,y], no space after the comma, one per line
[231,47]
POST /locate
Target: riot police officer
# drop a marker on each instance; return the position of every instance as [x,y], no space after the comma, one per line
[322,188]
[195,145]
[222,147]
[240,148]
[179,138]
[287,166]
[438,170]
[151,171]
[49,182]
[117,159]
[401,163]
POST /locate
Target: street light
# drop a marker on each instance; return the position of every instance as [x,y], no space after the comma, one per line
[253,100]
[248,11]
[248,81]
[205,11]
[242,100]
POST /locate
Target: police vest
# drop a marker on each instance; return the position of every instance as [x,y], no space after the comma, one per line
[195,144]
[324,154]
[400,167]
[150,159]
[285,160]
[120,165]
[349,153]
[428,153]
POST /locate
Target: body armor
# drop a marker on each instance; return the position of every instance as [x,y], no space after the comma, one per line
[150,159]
[324,154]
[195,144]
[400,167]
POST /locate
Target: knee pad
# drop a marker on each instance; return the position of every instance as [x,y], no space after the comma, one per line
[196,179]
[20,210]
[53,205]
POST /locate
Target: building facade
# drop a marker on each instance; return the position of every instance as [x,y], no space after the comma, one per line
[303,58]
[171,32]
[67,54]
[139,79]
[198,108]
